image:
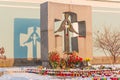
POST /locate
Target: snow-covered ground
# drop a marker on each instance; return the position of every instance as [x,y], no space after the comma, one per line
[31,76]
[14,74]
[108,65]
[23,76]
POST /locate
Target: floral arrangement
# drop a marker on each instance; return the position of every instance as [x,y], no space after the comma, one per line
[66,61]
[87,59]
[63,63]
[74,59]
[54,58]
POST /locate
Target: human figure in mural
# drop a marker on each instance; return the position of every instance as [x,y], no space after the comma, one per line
[34,38]
[67,27]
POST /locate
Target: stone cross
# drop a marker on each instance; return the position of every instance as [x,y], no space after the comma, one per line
[67,27]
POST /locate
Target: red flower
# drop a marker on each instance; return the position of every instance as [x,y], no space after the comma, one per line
[66,34]
[54,57]
[74,59]
[80,59]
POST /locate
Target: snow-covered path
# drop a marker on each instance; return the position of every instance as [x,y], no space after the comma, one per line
[31,76]
[24,76]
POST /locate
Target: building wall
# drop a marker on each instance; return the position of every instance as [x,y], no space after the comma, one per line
[104,60]
[9,13]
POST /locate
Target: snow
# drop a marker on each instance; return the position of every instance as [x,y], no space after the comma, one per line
[31,76]
[23,76]
[10,74]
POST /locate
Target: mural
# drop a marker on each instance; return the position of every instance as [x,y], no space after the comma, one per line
[26,38]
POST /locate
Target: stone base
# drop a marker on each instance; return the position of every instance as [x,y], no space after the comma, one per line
[19,62]
[46,63]
[26,62]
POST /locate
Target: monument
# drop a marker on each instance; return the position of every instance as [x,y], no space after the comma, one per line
[67,27]
[50,14]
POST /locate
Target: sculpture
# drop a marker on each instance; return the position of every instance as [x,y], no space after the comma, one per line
[66,26]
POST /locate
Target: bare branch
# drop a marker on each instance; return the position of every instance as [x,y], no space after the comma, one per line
[108,41]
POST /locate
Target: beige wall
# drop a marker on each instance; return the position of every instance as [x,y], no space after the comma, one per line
[104,60]
[79,2]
